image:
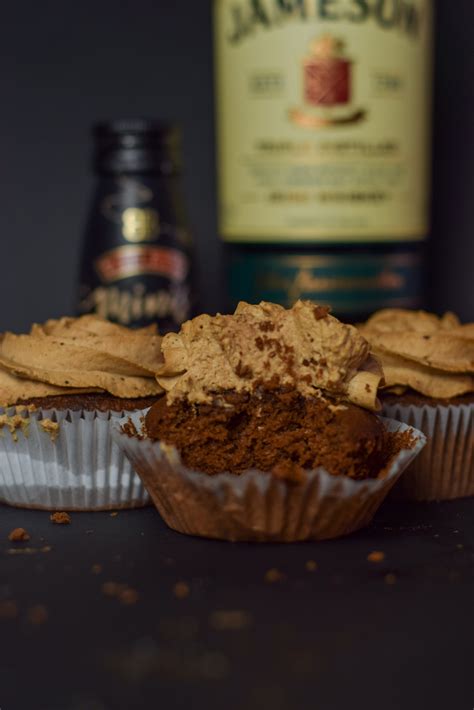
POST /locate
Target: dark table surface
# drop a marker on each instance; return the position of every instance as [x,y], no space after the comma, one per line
[391,635]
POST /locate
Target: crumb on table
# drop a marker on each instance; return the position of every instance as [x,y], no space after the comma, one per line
[181,590]
[8,609]
[60,518]
[376,556]
[37,615]
[274,575]
[19,535]
[125,594]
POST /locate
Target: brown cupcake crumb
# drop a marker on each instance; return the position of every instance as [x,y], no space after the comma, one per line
[376,556]
[311,566]
[114,514]
[125,594]
[128,596]
[8,609]
[60,518]
[112,589]
[181,590]
[232,620]
[274,575]
[320,312]
[37,615]
[18,535]
[96,569]
[390,578]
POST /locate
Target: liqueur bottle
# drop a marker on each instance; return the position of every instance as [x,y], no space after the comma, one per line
[323,132]
[136,262]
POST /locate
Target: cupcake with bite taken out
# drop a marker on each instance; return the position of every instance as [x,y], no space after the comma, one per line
[268,430]
[428,365]
[61,386]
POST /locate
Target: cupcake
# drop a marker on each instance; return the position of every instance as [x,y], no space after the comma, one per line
[429,384]
[61,386]
[268,429]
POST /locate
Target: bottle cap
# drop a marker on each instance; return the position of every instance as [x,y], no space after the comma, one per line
[137,145]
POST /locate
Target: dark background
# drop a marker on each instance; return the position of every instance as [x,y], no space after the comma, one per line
[65,65]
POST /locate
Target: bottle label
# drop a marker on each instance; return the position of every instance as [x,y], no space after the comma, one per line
[127,261]
[350,285]
[323,119]
[136,261]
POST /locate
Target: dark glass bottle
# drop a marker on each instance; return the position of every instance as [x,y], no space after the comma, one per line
[136,261]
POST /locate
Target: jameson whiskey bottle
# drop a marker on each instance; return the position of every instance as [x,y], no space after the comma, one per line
[323,116]
[137,249]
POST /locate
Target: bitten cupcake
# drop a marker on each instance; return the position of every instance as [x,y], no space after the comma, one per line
[268,430]
[429,383]
[61,386]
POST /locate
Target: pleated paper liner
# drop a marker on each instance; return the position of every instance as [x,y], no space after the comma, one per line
[445,468]
[255,506]
[81,469]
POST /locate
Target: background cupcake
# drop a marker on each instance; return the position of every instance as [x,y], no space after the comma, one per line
[429,383]
[268,430]
[61,385]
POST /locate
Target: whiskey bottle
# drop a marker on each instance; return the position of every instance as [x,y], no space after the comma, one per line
[136,262]
[323,137]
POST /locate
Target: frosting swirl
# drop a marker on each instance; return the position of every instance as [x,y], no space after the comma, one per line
[303,347]
[431,355]
[73,355]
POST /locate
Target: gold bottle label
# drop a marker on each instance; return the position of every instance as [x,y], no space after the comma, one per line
[323,111]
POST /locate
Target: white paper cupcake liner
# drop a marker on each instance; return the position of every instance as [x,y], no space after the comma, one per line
[445,468]
[256,506]
[83,469]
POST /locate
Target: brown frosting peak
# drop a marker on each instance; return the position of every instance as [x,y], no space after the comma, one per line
[431,355]
[303,347]
[84,354]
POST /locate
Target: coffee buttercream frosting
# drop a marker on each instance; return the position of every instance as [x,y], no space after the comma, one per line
[77,355]
[303,347]
[429,354]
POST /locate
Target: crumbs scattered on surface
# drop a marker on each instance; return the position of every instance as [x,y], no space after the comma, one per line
[18,535]
[274,575]
[60,518]
[376,556]
[114,514]
[50,427]
[181,590]
[311,566]
[96,569]
[14,423]
[125,594]
[37,615]
[390,578]
[232,620]
[8,609]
